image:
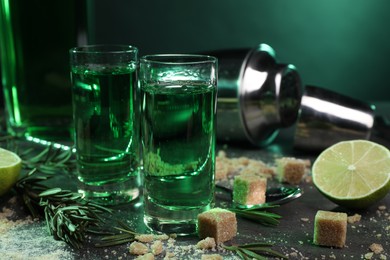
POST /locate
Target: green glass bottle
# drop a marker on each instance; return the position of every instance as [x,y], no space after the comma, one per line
[36,37]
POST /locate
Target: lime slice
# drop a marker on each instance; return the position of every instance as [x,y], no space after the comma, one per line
[10,166]
[353,174]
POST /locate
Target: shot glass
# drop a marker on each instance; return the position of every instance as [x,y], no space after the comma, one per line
[106,113]
[178,95]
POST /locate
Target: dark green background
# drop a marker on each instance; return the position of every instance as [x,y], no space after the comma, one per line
[343,45]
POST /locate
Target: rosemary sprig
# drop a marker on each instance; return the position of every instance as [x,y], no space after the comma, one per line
[50,160]
[125,235]
[258,215]
[29,187]
[6,138]
[258,251]
[68,216]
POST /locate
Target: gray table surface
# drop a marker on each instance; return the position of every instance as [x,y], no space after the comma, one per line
[292,237]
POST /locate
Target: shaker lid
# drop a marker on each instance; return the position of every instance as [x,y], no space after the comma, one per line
[269,95]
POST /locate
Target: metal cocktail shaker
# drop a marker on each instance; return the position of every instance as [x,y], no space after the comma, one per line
[327,117]
[256,95]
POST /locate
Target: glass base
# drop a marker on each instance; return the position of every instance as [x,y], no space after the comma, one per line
[112,193]
[181,221]
[49,133]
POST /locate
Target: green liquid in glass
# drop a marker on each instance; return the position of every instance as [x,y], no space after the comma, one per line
[105,116]
[178,146]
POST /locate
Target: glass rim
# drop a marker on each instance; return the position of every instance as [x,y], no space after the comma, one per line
[178,59]
[104,49]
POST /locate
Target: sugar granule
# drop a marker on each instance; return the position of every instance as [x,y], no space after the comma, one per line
[212,257]
[354,218]
[32,241]
[368,255]
[157,247]
[148,256]
[207,243]
[376,248]
[137,248]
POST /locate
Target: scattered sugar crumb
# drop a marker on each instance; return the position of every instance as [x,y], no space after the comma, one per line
[354,218]
[227,167]
[207,243]
[137,248]
[31,241]
[305,219]
[145,238]
[157,247]
[169,255]
[376,248]
[212,257]
[148,256]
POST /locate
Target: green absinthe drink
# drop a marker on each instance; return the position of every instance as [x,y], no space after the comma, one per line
[107,131]
[179,153]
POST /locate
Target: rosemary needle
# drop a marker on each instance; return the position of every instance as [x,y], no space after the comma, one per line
[254,251]
[125,235]
[259,215]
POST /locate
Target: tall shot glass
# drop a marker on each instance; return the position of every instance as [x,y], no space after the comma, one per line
[178,95]
[106,112]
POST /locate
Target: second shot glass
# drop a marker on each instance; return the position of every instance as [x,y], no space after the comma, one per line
[178,101]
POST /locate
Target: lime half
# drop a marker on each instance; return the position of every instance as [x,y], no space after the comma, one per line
[354,174]
[10,166]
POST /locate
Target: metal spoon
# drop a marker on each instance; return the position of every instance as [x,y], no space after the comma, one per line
[273,196]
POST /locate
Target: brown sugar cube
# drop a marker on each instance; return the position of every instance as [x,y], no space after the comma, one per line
[220,224]
[290,170]
[330,228]
[249,189]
